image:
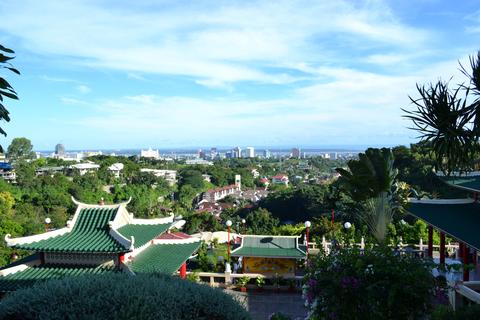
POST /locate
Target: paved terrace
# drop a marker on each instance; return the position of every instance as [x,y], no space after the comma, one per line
[261,305]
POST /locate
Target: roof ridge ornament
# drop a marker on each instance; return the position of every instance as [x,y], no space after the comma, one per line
[132,242]
[79,203]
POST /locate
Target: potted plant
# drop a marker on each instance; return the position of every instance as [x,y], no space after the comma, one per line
[193,277]
[277,279]
[260,282]
[292,285]
[242,283]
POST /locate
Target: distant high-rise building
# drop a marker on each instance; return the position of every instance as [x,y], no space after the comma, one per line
[295,152]
[250,152]
[201,154]
[333,155]
[267,154]
[236,152]
[59,149]
[213,153]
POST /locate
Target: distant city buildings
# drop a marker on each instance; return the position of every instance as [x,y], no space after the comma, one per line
[236,152]
[295,152]
[152,154]
[250,152]
[169,175]
[213,153]
[59,150]
[267,154]
[199,162]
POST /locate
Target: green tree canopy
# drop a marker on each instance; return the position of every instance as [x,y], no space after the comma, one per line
[370,180]
[20,148]
[261,221]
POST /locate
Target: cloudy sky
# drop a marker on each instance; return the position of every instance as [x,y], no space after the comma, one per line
[112,74]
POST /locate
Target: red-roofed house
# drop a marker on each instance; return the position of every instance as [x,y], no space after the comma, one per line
[216,194]
[280,179]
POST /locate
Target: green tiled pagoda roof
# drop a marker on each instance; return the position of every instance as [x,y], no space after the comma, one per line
[143,232]
[90,234]
[470,183]
[163,258]
[31,275]
[461,221]
[279,247]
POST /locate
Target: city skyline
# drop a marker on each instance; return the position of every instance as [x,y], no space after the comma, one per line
[102,75]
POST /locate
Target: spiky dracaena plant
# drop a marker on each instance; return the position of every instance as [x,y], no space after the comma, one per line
[370,181]
[448,120]
[377,213]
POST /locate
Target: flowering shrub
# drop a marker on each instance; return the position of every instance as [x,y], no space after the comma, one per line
[374,284]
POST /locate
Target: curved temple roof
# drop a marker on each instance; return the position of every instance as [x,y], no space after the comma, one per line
[269,247]
[96,229]
[89,234]
[35,274]
[466,181]
[458,218]
[164,257]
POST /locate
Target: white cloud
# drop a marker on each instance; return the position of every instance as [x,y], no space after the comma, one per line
[216,44]
[72,101]
[83,89]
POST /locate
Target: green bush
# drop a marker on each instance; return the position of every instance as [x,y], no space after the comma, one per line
[470,312]
[121,296]
[374,285]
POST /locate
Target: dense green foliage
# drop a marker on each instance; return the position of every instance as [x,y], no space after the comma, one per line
[298,204]
[121,296]
[284,211]
[377,284]
[20,148]
[469,312]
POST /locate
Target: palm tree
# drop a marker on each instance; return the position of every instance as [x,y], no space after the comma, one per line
[370,181]
[6,90]
[447,122]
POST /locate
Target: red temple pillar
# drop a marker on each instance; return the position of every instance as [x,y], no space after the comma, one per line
[430,241]
[121,258]
[460,250]
[183,270]
[442,248]
[466,273]
[474,258]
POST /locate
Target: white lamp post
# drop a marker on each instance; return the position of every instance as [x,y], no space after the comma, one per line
[47,222]
[308,224]
[227,266]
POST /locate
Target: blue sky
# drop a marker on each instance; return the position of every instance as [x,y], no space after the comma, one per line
[126,74]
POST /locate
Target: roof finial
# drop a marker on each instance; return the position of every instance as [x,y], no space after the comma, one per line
[101,202]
